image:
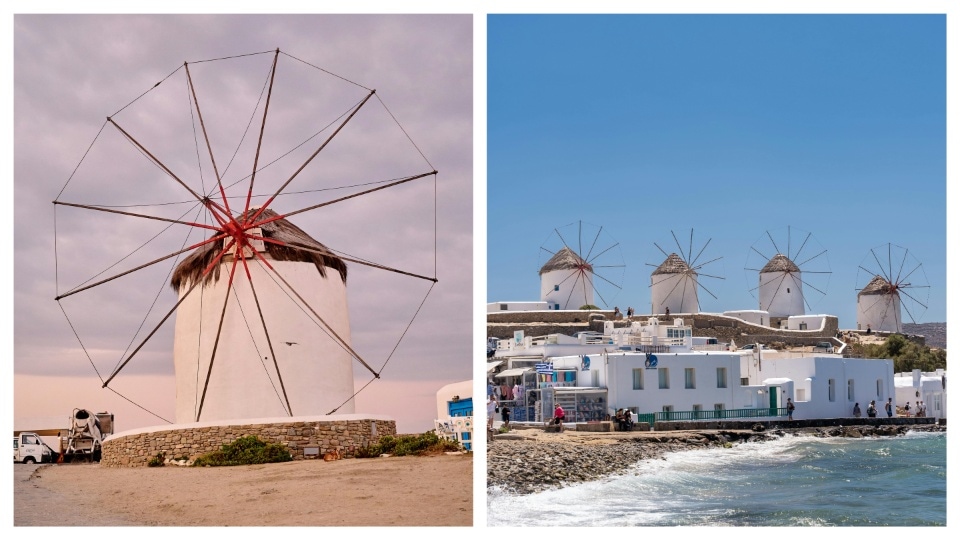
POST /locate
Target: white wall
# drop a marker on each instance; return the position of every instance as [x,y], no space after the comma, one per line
[317,373]
[676,291]
[781,294]
[652,398]
[575,290]
[751,316]
[495,307]
[464,389]
[813,373]
[880,311]
[813,322]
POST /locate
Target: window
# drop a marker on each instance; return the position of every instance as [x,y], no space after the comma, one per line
[879,386]
[556,287]
[718,407]
[849,389]
[788,290]
[832,390]
[638,379]
[503,307]
[668,408]
[744,381]
[696,411]
[664,376]
[721,377]
[689,378]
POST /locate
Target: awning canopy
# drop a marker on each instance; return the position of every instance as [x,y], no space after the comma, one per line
[493,365]
[512,372]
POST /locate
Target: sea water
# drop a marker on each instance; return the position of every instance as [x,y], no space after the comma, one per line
[792,481]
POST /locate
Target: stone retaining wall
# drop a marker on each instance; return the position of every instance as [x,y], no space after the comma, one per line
[344,436]
[784,423]
[541,323]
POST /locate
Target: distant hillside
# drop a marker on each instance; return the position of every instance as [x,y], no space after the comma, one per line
[935,333]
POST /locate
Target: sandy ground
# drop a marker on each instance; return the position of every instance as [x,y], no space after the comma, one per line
[394,491]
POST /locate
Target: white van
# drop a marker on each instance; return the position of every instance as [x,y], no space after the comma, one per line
[29,448]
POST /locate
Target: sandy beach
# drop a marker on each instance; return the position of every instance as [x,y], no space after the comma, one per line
[393,491]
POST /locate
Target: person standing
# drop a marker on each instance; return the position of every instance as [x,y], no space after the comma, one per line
[559,417]
[889,407]
[492,407]
[856,410]
[790,408]
[505,416]
[872,409]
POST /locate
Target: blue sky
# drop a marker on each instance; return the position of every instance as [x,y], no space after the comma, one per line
[729,125]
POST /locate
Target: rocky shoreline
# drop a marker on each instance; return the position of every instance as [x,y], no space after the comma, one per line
[530,460]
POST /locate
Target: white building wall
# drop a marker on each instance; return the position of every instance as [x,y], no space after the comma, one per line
[567,288]
[652,398]
[880,311]
[781,294]
[317,373]
[872,380]
[676,291]
[754,316]
[496,307]
[806,322]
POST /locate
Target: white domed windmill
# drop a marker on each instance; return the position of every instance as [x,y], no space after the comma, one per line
[574,274]
[789,282]
[890,279]
[229,169]
[675,282]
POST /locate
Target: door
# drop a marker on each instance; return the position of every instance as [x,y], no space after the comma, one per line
[774,400]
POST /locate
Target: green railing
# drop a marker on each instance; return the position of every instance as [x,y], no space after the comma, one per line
[725,414]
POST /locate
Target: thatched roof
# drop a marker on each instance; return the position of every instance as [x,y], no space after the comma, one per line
[877,285]
[672,265]
[780,263]
[565,259]
[282,230]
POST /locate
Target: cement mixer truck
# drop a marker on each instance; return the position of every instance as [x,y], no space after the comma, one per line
[85,435]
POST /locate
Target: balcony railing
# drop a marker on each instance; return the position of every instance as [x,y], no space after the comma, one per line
[725,414]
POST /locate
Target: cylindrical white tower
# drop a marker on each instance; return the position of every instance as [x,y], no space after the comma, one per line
[245,382]
[878,305]
[781,289]
[673,285]
[566,280]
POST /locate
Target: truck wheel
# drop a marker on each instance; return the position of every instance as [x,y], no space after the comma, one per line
[29,459]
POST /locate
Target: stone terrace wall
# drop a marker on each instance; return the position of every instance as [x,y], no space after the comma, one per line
[345,436]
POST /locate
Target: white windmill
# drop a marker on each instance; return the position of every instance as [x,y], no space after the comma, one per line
[789,281]
[262,327]
[675,282]
[576,274]
[890,280]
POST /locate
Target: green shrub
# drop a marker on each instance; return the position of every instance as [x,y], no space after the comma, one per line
[247,450]
[409,445]
[157,460]
[589,307]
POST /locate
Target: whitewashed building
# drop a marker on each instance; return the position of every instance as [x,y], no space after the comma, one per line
[928,387]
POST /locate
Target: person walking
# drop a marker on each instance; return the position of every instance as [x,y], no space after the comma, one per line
[889,407]
[790,408]
[505,416]
[872,409]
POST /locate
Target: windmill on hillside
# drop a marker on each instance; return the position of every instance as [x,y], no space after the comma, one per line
[675,282]
[789,281]
[583,264]
[890,279]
